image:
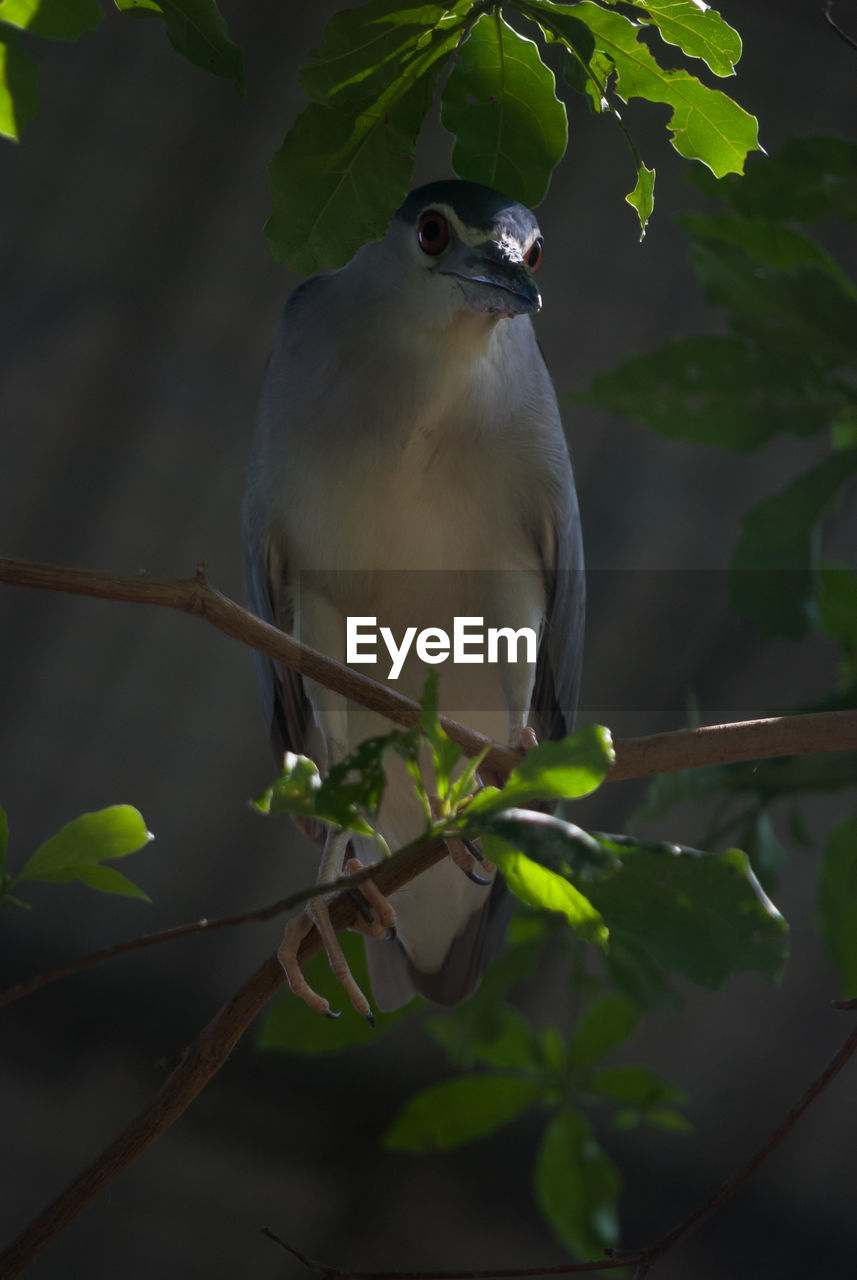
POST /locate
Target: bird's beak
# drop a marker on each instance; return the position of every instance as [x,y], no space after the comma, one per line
[493,280]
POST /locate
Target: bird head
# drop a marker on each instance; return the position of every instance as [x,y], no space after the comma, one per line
[460,247]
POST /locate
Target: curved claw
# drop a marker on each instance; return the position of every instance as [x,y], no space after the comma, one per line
[471,875]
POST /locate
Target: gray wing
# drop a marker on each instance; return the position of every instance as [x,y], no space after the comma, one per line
[560,660]
[285,707]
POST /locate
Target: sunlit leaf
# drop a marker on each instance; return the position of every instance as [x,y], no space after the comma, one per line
[19,76]
[459,1111]
[538,887]
[698,31]
[642,198]
[706,125]
[77,848]
[54,19]
[560,770]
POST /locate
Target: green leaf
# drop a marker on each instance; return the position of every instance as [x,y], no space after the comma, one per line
[445,753]
[843,429]
[19,97]
[548,840]
[705,124]
[642,198]
[836,601]
[566,769]
[500,1037]
[636,1085]
[767,242]
[294,790]
[717,390]
[577,1185]
[809,179]
[459,1111]
[803,315]
[55,19]
[105,879]
[363,45]
[773,563]
[91,838]
[696,29]
[639,974]
[500,103]
[342,171]
[77,848]
[196,29]
[538,887]
[290,1026]
[604,1025]
[354,784]
[837,903]
[701,915]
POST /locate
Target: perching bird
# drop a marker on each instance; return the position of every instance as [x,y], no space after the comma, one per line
[409,467]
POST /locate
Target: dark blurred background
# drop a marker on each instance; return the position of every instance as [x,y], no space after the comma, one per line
[137,303]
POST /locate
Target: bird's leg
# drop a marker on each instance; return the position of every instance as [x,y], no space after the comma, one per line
[317,913]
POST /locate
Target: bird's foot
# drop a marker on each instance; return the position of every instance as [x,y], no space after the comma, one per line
[317,914]
[523,739]
[466,854]
[376,915]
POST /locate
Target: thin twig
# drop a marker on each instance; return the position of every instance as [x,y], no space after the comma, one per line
[199,1062]
[496,1273]
[849,40]
[635,757]
[29,985]
[643,1259]
[206,1054]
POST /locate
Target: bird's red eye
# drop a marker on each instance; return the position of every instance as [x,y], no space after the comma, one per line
[433,232]
[534,257]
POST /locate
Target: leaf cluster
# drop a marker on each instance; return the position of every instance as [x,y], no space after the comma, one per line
[346,164]
[195,28]
[645,912]
[786,366]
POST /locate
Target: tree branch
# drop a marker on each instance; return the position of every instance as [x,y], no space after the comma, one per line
[635,757]
[199,1062]
[203,1057]
[261,914]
